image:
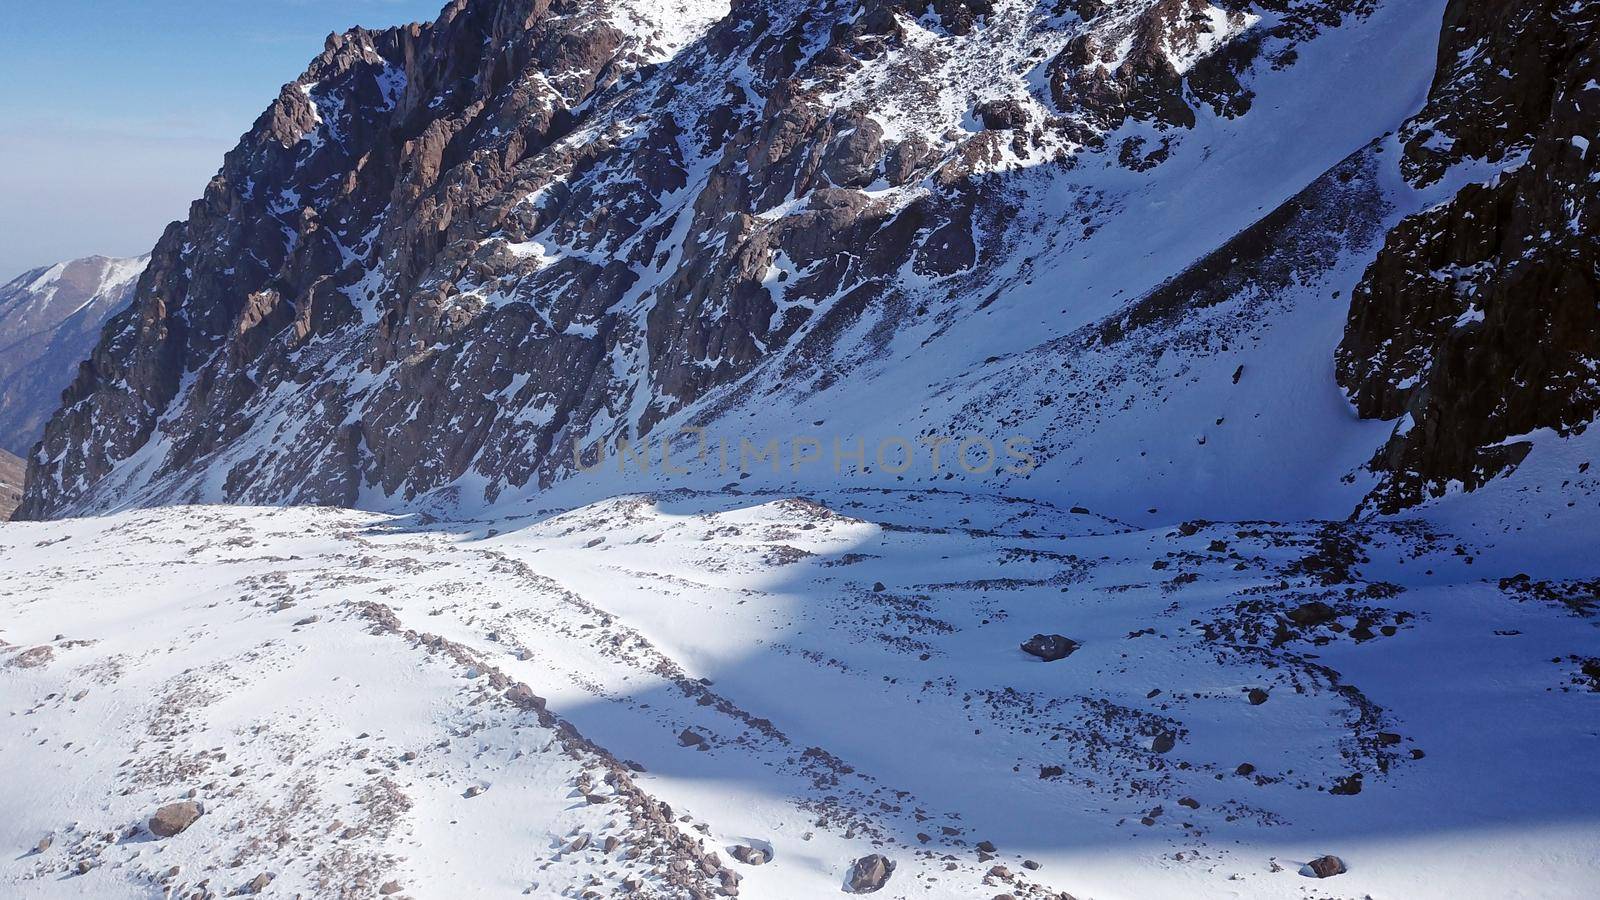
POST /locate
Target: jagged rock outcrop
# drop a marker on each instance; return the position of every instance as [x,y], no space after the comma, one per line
[50,320]
[1479,322]
[1155,62]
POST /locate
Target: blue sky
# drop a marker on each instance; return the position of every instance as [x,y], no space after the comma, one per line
[115,113]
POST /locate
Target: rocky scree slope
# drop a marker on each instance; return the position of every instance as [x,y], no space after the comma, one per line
[449,253]
[50,320]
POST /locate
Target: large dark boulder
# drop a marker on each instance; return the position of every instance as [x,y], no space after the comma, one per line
[1326,867]
[1314,613]
[1050,647]
[869,874]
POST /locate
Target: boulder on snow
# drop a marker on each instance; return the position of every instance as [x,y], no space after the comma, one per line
[1050,647]
[1002,115]
[1347,786]
[691,738]
[750,856]
[1314,613]
[173,818]
[1324,867]
[869,874]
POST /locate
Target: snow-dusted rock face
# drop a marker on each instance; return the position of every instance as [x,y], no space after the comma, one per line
[50,320]
[1479,322]
[451,253]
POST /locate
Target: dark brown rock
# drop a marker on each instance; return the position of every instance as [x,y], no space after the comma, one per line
[1326,867]
[869,874]
[1348,785]
[1002,115]
[1313,613]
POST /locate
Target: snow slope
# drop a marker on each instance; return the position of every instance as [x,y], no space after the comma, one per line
[332,686]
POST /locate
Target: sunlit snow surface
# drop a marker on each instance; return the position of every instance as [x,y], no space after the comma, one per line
[332,685]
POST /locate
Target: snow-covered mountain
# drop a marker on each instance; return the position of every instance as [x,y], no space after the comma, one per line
[451,253]
[983,448]
[50,320]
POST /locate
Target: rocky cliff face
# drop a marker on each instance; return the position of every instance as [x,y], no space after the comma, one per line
[50,320]
[12,471]
[450,253]
[1479,321]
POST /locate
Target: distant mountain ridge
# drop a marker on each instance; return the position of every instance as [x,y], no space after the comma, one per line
[50,320]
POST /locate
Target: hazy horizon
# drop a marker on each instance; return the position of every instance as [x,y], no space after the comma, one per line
[118,113]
